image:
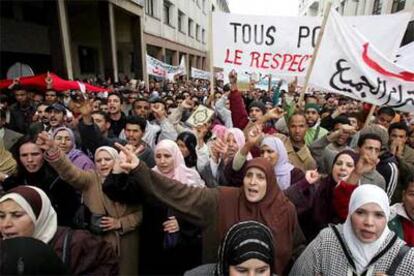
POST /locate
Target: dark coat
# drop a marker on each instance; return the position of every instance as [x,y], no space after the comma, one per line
[87,254]
[64,198]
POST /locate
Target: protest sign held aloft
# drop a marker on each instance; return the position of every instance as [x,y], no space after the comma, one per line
[283,46]
[357,69]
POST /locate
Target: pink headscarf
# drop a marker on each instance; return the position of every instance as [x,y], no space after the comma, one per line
[180,172]
[239,137]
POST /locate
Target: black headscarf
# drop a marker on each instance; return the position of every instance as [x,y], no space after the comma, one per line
[244,241]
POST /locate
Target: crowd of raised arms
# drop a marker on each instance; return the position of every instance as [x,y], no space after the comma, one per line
[140,180]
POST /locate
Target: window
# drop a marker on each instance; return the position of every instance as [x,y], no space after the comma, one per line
[198,32]
[377,7]
[167,13]
[181,18]
[190,27]
[203,36]
[397,5]
[149,7]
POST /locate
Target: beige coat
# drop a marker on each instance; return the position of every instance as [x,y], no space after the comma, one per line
[301,159]
[124,241]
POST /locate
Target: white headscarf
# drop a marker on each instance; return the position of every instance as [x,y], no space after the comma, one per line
[180,172]
[45,225]
[110,150]
[363,253]
[283,167]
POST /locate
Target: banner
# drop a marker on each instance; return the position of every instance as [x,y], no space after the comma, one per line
[405,56]
[351,65]
[199,74]
[160,69]
[283,46]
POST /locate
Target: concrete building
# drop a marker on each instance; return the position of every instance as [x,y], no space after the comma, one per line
[177,28]
[75,39]
[362,7]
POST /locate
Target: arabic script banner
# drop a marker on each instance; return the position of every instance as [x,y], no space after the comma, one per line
[351,65]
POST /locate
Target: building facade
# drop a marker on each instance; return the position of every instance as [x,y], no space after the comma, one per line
[175,28]
[362,7]
[75,39]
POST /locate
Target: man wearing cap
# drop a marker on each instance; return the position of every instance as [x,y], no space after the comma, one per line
[315,131]
[57,116]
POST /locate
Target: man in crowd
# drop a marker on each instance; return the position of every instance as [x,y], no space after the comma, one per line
[115,113]
[299,154]
[315,131]
[22,111]
[398,133]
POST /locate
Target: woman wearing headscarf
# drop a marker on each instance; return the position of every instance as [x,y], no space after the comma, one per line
[65,140]
[273,149]
[215,210]
[26,211]
[248,246]
[223,150]
[171,245]
[363,245]
[117,222]
[34,171]
[327,201]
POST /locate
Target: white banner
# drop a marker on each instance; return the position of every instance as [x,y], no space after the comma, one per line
[199,74]
[160,69]
[405,56]
[283,46]
[349,64]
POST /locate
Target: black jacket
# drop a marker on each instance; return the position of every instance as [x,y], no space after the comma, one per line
[64,198]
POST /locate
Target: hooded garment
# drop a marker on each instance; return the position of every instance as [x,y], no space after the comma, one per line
[77,157]
[274,210]
[362,253]
[283,167]
[37,205]
[180,172]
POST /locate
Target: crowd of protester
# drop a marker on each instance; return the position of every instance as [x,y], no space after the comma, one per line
[121,183]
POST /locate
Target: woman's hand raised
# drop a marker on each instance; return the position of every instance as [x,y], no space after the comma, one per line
[129,159]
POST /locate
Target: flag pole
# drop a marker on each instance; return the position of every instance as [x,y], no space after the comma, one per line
[315,53]
[210,49]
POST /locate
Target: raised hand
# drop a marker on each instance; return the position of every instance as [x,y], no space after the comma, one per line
[45,142]
[312,176]
[254,135]
[233,77]
[158,110]
[275,113]
[129,159]
[366,164]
